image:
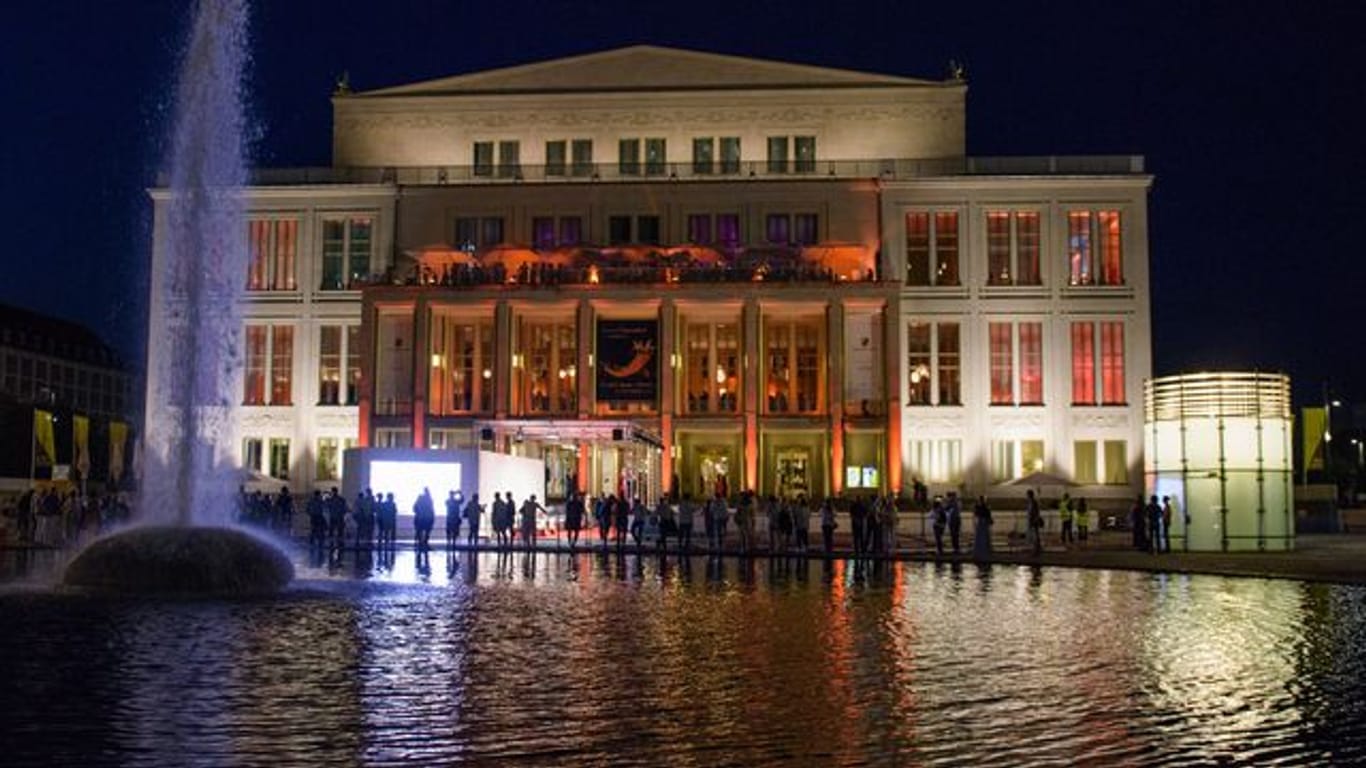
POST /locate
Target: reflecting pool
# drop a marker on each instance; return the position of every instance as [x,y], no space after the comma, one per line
[600,659]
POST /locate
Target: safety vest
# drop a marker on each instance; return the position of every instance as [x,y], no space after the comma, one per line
[1064,512]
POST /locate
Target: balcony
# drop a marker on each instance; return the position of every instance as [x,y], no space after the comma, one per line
[569,173]
[513,265]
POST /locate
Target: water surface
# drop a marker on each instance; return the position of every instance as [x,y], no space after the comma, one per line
[593,659]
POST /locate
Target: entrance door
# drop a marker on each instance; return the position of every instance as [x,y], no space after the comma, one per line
[714,472]
[794,473]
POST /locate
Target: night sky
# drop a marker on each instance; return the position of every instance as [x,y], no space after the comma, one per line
[1252,123]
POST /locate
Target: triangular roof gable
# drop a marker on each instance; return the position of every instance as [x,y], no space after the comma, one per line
[645,67]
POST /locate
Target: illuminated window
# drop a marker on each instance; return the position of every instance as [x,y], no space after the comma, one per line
[1086,229]
[461,372]
[794,364]
[390,437]
[253,453]
[1031,456]
[269,358]
[279,458]
[935,461]
[328,463]
[338,364]
[274,246]
[1084,462]
[699,228]
[792,229]
[1013,248]
[1016,349]
[1116,462]
[932,248]
[805,228]
[711,367]
[1111,363]
[703,155]
[548,378]
[549,232]
[778,228]
[543,232]
[348,243]
[1004,453]
[1083,364]
[933,372]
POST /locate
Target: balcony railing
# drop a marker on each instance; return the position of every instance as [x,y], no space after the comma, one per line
[571,173]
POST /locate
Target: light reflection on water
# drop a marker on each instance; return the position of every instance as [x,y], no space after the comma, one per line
[595,659]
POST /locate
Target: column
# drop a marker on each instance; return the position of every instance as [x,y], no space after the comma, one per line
[750,321]
[891,345]
[668,356]
[502,356]
[366,397]
[586,378]
[834,335]
[422,366]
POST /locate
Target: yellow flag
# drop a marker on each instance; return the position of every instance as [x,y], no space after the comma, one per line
[44,441]
[1315,422]
[80,441]
[118,435]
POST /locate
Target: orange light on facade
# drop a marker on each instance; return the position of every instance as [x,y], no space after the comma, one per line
[593,277]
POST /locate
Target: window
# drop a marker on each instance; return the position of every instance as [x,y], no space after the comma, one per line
[935,461]
[279,458]
[1016,353]
[730,154]
[509,159]
[703,155]
[555,157]
[273,245]
[483,158]
[1084,368]
[328,464]
[393,437]
[581,155]
[932,362]
[548,381]
[547,232]
[1116,462]
[269,357]
[252,453]
[1084,230]
[1084,462]
[338,364]
[474,233]
[628,157]
[804,147]
[777,154]
[699,228]
[932,248]
[656,157]
[792,229]
[793,364]
[619,230]
[711,367]
[1031,456]
[347,246]
[1013,248]
[461,350]
[1004,453]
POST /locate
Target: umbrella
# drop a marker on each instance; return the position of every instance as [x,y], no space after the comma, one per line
[849,260]
[439,255]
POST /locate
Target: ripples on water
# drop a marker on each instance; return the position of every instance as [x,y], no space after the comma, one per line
[632,661]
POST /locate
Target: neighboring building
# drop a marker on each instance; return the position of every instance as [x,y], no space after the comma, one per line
[651,266]
[59,377]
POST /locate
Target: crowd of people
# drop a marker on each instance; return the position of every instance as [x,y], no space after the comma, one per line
[52,518]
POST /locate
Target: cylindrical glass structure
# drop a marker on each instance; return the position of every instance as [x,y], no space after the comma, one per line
[1219,444]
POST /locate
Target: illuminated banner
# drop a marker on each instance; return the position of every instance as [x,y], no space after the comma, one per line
[628,360]
[1315,425]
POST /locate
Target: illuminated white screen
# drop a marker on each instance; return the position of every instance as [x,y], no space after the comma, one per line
[406,479]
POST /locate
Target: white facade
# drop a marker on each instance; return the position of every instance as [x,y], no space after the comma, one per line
[409,160]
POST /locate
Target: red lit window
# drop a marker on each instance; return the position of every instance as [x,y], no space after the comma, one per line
[1031,363]
[1027,248]
[1002,370]
[1111,261]
[1112,363]
[998,248]
[917,248]
[1083,364]
[281,364]
[1079,248]
[273,249]
[254,392]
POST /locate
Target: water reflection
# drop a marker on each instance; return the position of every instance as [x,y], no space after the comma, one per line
[638,659]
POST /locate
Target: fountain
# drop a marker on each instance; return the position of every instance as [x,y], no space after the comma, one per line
[184,544]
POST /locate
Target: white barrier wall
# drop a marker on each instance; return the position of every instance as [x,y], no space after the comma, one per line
[1219,445]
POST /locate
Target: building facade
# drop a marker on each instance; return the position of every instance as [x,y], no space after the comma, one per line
[665,270]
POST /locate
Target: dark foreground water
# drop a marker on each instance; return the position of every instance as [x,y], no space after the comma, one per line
[588,659]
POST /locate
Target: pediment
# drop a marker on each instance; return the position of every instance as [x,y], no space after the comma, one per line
[645,67]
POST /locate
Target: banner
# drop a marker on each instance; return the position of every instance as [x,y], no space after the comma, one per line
[44,441]
[80,442]
[118,437]
[862,360]
[1315,422]
[628,360]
